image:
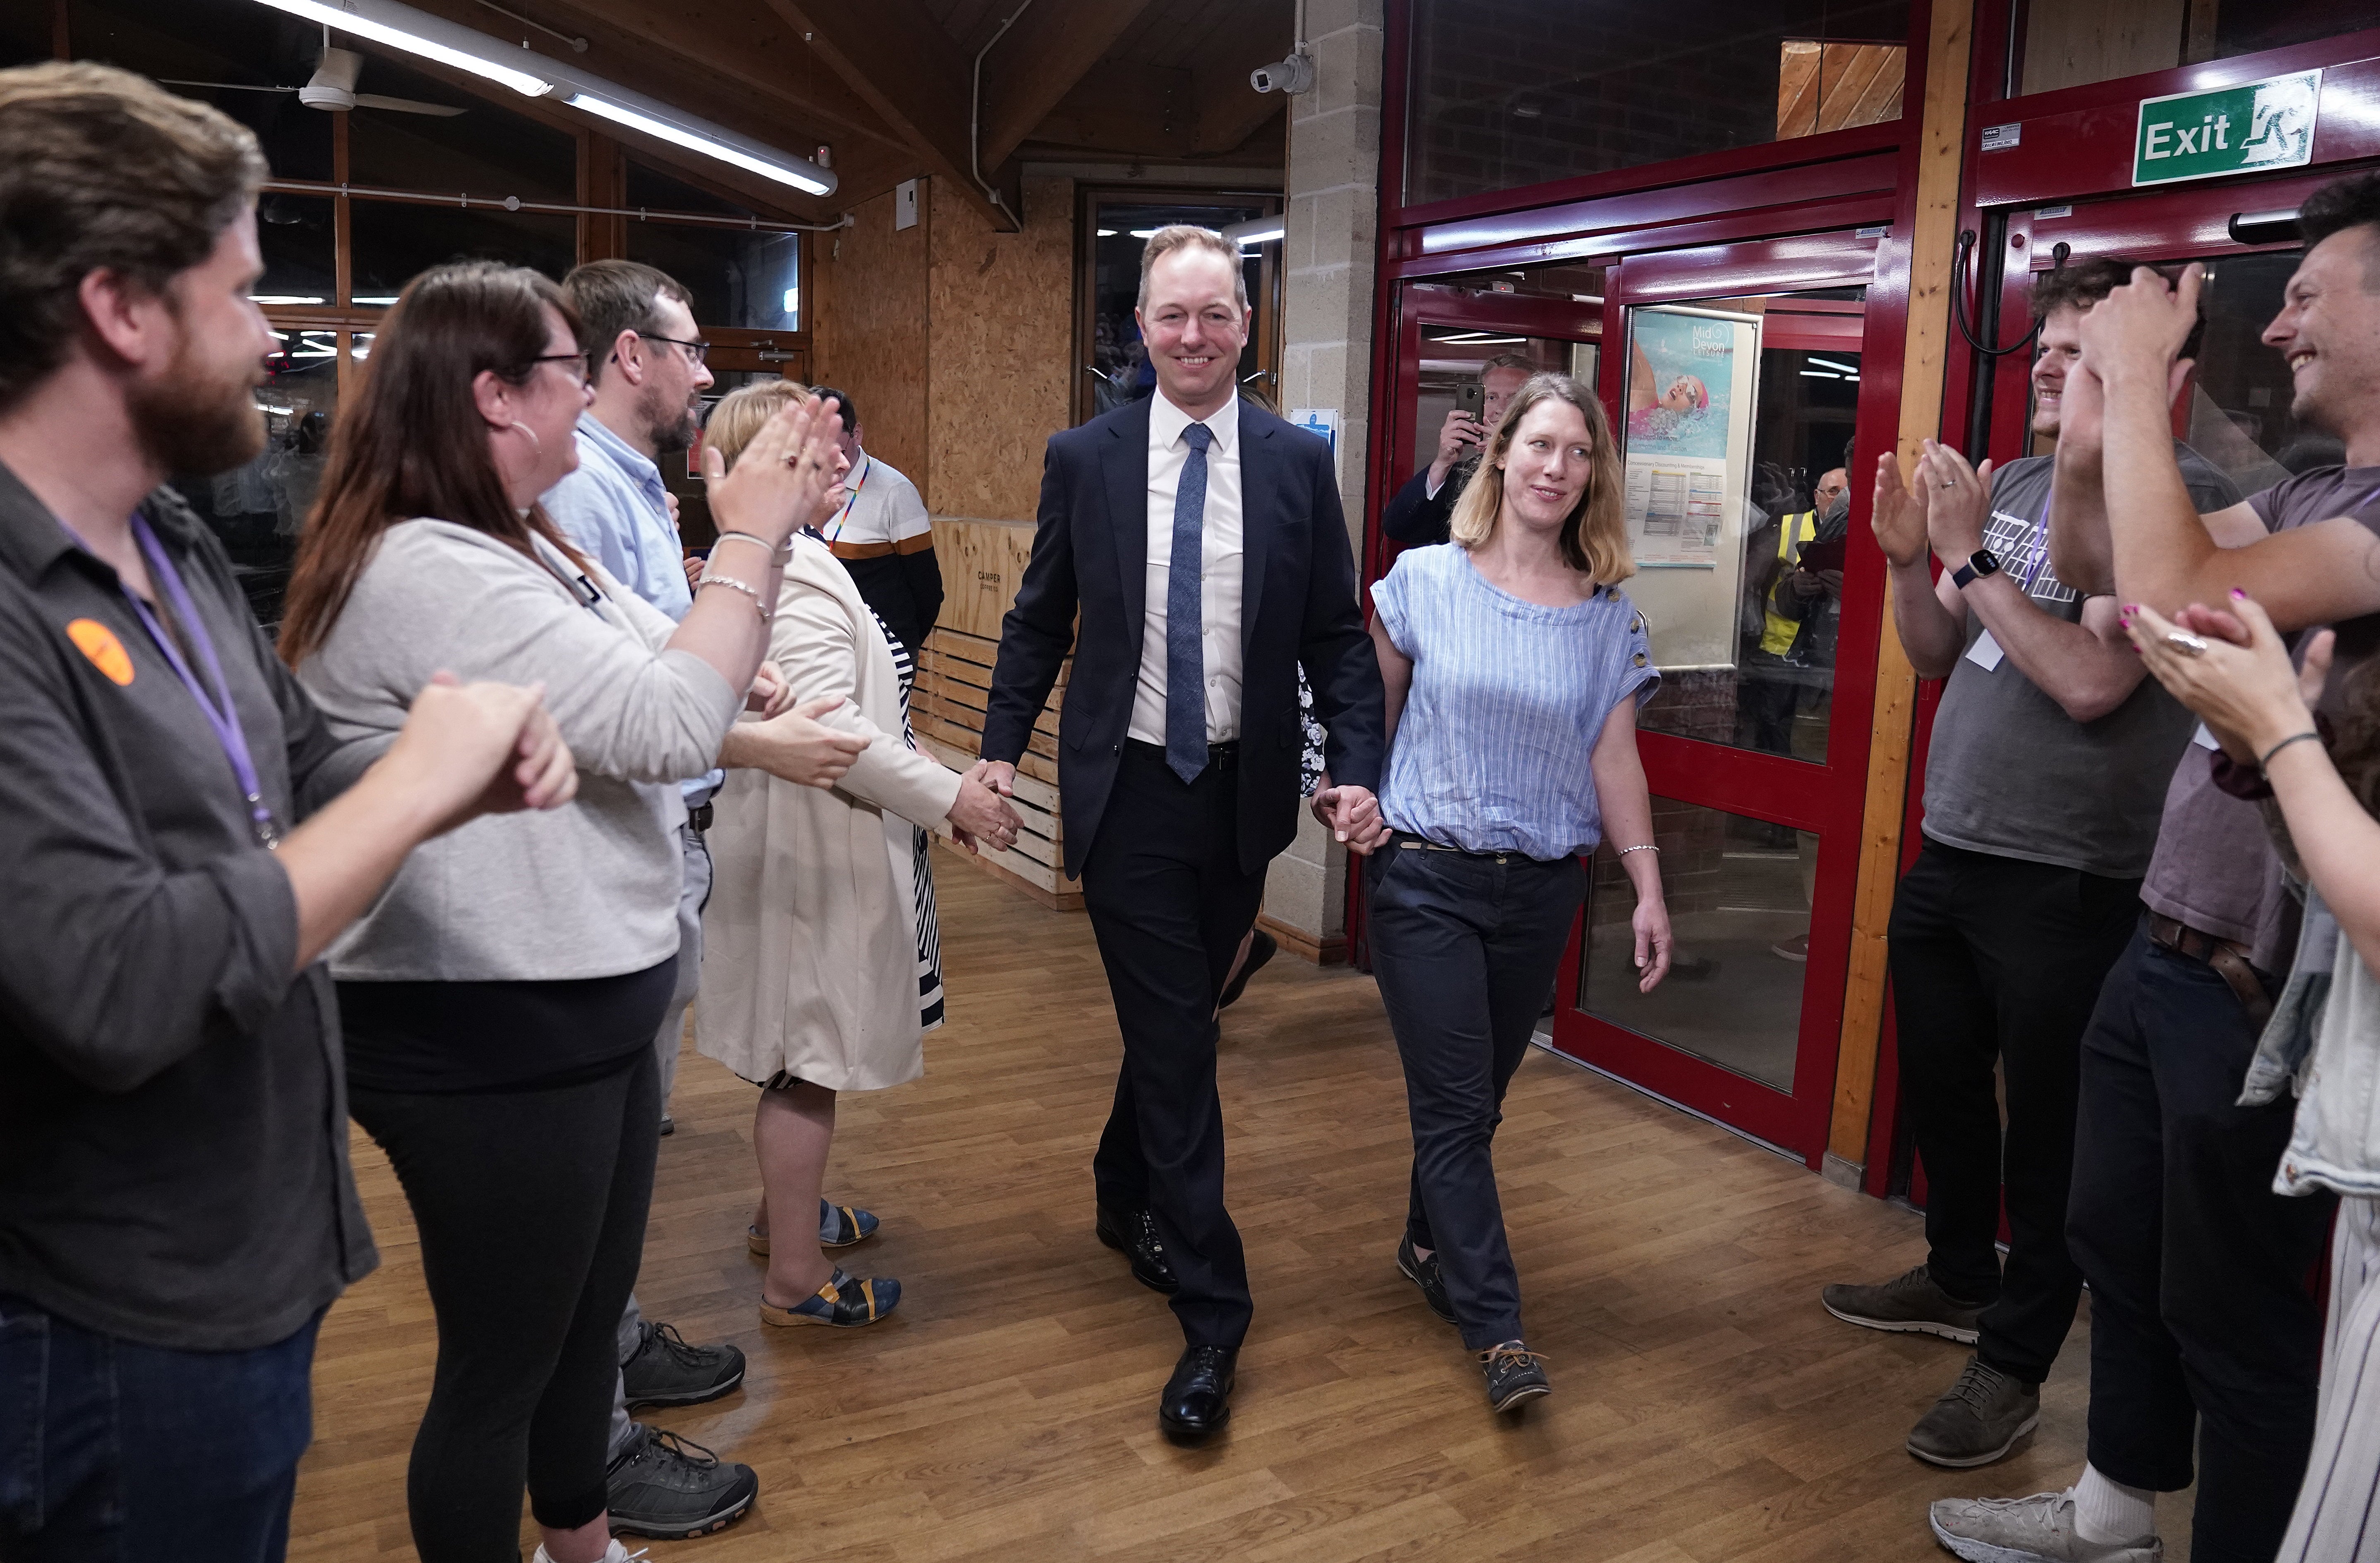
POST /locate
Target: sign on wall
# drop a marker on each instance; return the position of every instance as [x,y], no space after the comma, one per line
[2243,129]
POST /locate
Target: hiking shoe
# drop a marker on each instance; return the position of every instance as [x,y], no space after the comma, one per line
[1514,1374]
[2039,1529]
[1978,1420]
[665,1371]
[1910,1303]
[671,1487]
[1425,1274]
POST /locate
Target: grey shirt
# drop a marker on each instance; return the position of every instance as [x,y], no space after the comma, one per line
[2009,772]
[173,1109]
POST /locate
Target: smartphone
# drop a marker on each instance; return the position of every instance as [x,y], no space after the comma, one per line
[1471,401]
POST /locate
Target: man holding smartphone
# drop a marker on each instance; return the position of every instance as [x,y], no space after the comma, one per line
[1423,511]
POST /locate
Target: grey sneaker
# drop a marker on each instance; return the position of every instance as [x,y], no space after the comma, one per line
[2039,1529]
[672,1488]
[1978,1420]
[1910,1303]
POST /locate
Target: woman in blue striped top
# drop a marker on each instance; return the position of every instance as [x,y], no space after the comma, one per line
[1514,666]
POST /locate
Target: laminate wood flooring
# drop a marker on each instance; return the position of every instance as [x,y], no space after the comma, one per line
[1704,1409]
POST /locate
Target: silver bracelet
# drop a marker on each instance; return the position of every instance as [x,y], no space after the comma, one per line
[775,551]
[1647,847]
[713,578]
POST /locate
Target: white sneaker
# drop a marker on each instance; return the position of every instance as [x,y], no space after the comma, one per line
[615,1553]
[2039,1529]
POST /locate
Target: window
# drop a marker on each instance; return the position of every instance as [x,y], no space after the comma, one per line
[394,243]
[1510,92]
[253,58]
[749,280]
[1115,227]
[2077,42]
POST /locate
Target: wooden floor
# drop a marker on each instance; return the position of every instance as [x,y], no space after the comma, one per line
[1706,1408]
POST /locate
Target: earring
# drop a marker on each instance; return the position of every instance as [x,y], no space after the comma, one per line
[536,446]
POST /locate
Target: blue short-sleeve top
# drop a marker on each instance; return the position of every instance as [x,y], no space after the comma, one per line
[1507,701]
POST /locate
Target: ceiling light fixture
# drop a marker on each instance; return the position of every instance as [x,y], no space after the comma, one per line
[416,32]
[710,140]
[1257,230]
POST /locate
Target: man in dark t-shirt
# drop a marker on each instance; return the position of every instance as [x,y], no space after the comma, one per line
[2047,764]
[2205,1339]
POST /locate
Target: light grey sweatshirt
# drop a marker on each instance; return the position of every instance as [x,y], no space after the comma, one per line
[589,889]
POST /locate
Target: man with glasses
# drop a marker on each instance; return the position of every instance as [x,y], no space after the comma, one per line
[644,358]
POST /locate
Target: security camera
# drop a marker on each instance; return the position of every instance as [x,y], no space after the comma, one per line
[1292,75]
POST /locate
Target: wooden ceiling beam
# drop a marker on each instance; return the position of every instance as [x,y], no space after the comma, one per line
[898,60]
[1043,59]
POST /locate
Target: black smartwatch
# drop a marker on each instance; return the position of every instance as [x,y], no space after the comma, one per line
[1979,564]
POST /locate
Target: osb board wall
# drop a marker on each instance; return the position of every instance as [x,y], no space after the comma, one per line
[1003,307]
[872,328]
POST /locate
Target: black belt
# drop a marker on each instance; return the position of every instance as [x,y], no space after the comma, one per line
[2229,958]
[1219,756]
[699,817]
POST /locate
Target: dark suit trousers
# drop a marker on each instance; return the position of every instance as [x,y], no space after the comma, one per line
[1169,902]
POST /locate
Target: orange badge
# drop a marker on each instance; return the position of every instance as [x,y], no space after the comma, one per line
[98,642]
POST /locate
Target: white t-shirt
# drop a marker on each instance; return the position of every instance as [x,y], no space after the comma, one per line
[884,506]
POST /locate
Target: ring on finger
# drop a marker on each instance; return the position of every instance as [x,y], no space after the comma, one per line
[2189,645]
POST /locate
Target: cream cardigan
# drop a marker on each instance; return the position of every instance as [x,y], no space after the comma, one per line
[810,942]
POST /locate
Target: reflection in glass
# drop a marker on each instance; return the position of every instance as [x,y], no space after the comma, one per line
[1739,510]
[1454,357]
[258,509]
[395,242]
[2077,42]
[749,280]
[1116,364]
[1739,896]
[298,239]
[1512,92]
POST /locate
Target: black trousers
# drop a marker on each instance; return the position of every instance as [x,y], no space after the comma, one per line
[531,1208]
[1465,948]
[2201,1327]
[1168,903]
[1994,958]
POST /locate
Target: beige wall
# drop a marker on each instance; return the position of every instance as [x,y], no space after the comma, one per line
[955,340]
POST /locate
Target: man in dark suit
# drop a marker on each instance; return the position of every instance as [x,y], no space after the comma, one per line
[1423,511]
[1201,540]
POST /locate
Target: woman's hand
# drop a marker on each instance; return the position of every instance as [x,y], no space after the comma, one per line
[471,749]
[1957,498]
[796,747]
[978,814]
[2248,690]
[772,695]
[779,479]
[1654,942]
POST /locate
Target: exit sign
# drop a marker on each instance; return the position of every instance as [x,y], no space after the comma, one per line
[2243,129]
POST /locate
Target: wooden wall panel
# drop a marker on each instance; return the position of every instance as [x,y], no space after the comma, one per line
[1003,307]
[872,332]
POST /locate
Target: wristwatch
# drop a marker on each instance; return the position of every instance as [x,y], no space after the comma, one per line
[1981,562]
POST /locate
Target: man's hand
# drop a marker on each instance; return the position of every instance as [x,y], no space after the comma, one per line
[998,775]
[694,565]
[979,813]
[1957,498]
[546,776]
[772,695]
[672,497]
[469,749]
[1459,434]
[2138,330]
[1897,517]
[1353,816]
[796,747]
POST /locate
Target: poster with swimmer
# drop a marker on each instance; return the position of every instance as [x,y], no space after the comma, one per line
[1692,383]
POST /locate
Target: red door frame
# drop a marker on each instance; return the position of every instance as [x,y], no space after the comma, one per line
[2074,150]
[1763,213]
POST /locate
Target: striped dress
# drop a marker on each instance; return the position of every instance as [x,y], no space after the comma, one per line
[929,940]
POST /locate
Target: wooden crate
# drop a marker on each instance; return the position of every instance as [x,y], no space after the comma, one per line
[982,562]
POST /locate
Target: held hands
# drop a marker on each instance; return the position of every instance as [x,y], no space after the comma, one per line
[480,748]
[1353,816]
[2138,330]
[2242,682]
[796,747]
[779,477]
[998,775]
[1954,498]
[978,816]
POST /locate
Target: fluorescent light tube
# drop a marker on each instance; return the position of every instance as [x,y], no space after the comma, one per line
[1257,230]
[693,140]
[285,299]
[411,31]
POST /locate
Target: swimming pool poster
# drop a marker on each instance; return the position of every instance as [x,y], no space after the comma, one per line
[1693,387]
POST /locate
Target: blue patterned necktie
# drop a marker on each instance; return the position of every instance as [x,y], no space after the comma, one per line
[1185,655]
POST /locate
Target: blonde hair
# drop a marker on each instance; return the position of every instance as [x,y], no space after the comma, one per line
[740,413]
[1189,235]
[1595,534]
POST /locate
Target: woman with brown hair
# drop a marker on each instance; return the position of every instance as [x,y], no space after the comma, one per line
[1514,666]
[822,968]
[499,1002]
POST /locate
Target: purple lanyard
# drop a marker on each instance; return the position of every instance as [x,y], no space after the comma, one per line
[221,714]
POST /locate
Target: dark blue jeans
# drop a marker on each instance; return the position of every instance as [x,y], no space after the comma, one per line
[117,1453]
[1465,950]
[2203,1330]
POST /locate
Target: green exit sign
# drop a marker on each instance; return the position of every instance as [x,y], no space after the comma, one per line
[2243,129]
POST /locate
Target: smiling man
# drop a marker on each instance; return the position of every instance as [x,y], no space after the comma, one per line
[1202,542]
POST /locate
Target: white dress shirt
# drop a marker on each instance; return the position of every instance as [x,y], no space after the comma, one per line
[1219,584]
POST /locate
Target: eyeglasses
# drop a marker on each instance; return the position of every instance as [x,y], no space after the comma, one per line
[698,351]
[577,373]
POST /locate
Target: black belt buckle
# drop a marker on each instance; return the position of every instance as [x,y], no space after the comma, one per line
[698,816]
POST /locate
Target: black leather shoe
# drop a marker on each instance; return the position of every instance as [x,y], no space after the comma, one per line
[1197,1399]
[1426,1274]
[1133,1234]
[1262,947]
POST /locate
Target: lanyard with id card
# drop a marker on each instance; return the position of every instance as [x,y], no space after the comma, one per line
[1985,652]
